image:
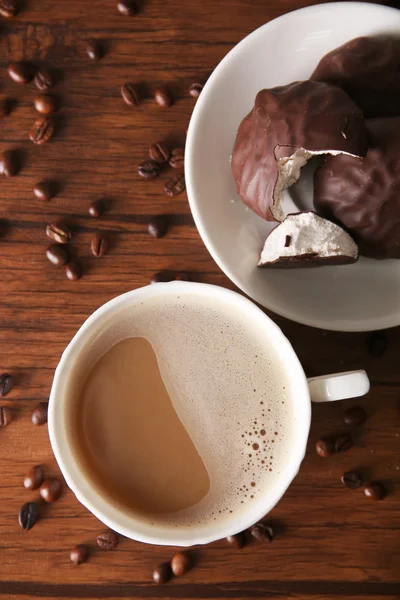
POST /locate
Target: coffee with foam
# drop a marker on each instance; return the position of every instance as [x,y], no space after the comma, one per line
[232,411]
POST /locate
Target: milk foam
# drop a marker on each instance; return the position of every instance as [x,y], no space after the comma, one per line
[229,389]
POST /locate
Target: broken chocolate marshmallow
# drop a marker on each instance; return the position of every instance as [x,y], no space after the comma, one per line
[307,240]
[364,194]
[368,69]
[287,126]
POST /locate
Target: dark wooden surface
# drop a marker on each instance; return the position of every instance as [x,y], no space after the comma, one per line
[331,542]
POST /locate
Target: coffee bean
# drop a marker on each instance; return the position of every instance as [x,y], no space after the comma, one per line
[195,90]
[163,97]
[6,383]
[237,540]
[19,73]
[352,479]
[377,344]
[57,255]
[159,152]
[45,104]
[375,491]
[4,106]
[158,226]
[182,276]
[355,416]
[162,574]
[130,94]
[39,414]
[99,245]
[42,130]
[43,80]
[128,8]
[181,563]
[94,50]
[149,169]
[177,159]
[51,489]
[73,271]
[5,416]
[58,232]
[107,540]
[9,163]
[324,448]
[162,277]
[175,185]
[34,478]
[96,208]
[28,515]
[343,443]
[79,554]
[262,532]
[8,8]
[44,191]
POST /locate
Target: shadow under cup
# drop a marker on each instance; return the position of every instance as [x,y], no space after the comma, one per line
[117,320]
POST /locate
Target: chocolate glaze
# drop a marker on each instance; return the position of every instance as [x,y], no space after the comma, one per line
[315,116]
[368,69]
[364,194]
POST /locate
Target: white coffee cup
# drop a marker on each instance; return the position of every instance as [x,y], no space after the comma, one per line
[317,389]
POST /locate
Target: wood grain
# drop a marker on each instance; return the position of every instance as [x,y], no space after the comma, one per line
[331,542]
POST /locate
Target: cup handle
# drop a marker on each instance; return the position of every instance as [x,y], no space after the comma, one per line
[339,386]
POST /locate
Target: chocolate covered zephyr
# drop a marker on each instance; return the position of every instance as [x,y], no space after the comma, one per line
[287,126]
[364,194]
[307,240]
[368,69]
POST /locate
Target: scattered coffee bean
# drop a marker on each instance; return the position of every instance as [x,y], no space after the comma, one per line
[8,8]
[45,104]
[162,573]
[34,478]
[195,90]
[94,50]
[342,443]
[355,416]
[162,277]
[175,185]
[375,491]
[159,152]
[163,97]
[377,344]
[107,540]
[4,107]
[9,163]
[158,226]
[19,73]
[262,532]
[58,232]
[96,208]
[177,159]
[130,94]
[149,169]
[99,245]
[28,515]
[352,479]
[5,416]
[182,276]
[324,448]
[237,540]
[43,80]
[181,563]
[128,8]
[44,191]
[57,255]
[51,489]
[79,554]
[73,271]
[42,130]
[6,383]
[39,414]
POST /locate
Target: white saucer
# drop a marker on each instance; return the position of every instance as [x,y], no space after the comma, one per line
[359,297]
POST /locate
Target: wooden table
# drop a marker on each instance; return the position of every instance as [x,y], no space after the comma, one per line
[331,541]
